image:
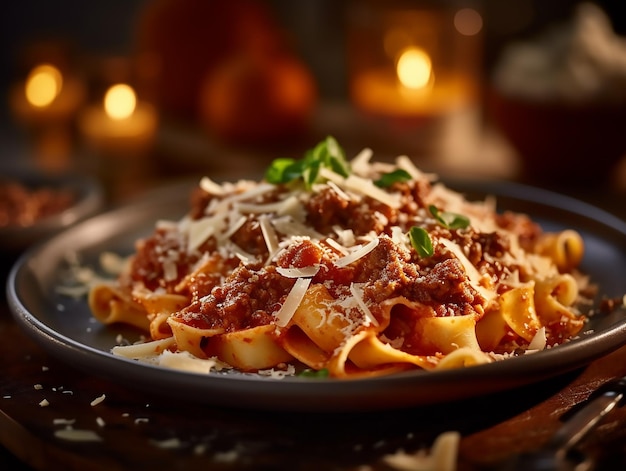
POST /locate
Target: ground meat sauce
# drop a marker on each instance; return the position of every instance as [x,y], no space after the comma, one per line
[236,295]
[248,298]
[250,238]
[521,224]
[24,206]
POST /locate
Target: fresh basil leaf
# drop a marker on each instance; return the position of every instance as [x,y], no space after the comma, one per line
[275,173]
[310,174]
[337,157]
[420,240]
[327,153]
[309,373]
[448,219]
[294,171]
[388,179]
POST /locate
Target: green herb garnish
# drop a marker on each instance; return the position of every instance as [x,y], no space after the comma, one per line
[420,240]
[309,373]
[328,153]
[449,220]
[388,179]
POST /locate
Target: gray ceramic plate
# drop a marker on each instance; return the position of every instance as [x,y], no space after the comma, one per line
[66,329]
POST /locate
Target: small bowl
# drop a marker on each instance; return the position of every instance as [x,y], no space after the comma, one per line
[563,143]
[87,199]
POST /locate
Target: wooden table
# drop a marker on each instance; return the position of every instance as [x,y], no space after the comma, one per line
[139,431]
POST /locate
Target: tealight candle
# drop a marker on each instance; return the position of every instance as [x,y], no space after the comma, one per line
[413,64]
[412,90]
[121,123]
[46,96]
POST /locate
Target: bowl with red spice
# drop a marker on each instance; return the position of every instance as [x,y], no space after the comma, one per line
[34,206]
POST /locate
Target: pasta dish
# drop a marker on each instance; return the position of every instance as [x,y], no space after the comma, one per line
[345,268]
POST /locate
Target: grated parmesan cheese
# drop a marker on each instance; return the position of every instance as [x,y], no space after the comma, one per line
[367,188]
[64,421]
[360,252]
[442,457]
[471,271]
[538,342]
[360,163]
[304,272]
[337,246]
[77,435]
[211,187]
[185,361]
[168,444]
[98,400]
[269,235]
[293,300]
[357,292]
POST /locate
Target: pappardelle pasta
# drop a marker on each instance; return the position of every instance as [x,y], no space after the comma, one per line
[351,268]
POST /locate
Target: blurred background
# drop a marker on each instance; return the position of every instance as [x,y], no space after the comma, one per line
[519,90]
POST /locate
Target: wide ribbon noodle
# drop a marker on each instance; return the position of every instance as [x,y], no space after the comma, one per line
[351,268]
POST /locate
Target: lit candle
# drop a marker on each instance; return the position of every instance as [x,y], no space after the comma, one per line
[411,89]
[413,63]
[46,97]
[121,123]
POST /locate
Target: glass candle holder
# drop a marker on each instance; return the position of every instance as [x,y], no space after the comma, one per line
[413,65]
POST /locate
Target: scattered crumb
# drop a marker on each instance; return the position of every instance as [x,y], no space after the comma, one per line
[64,421]
[77,435]
[442,456]
[98,400]
[169,444]
[226,456]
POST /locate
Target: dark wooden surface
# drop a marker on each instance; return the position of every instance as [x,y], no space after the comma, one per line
[140,431]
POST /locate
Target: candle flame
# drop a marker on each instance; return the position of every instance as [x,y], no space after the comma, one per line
[43,85]
[120,101]
[414,68]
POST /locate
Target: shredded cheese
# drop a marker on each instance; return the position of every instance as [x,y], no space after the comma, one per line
[304,272]
[367,188]
[143,350]
[357,292]
[211,187]
[77,435]
[293,300]
[278,207]
[360,252]
[269,235]
[185,361]
[471,271]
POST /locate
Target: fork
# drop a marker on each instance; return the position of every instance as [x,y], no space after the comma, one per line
[559,453]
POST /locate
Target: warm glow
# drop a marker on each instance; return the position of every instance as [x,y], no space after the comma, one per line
[120,101]
[43,85]
[414,68]
[468,21]
[396,39]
